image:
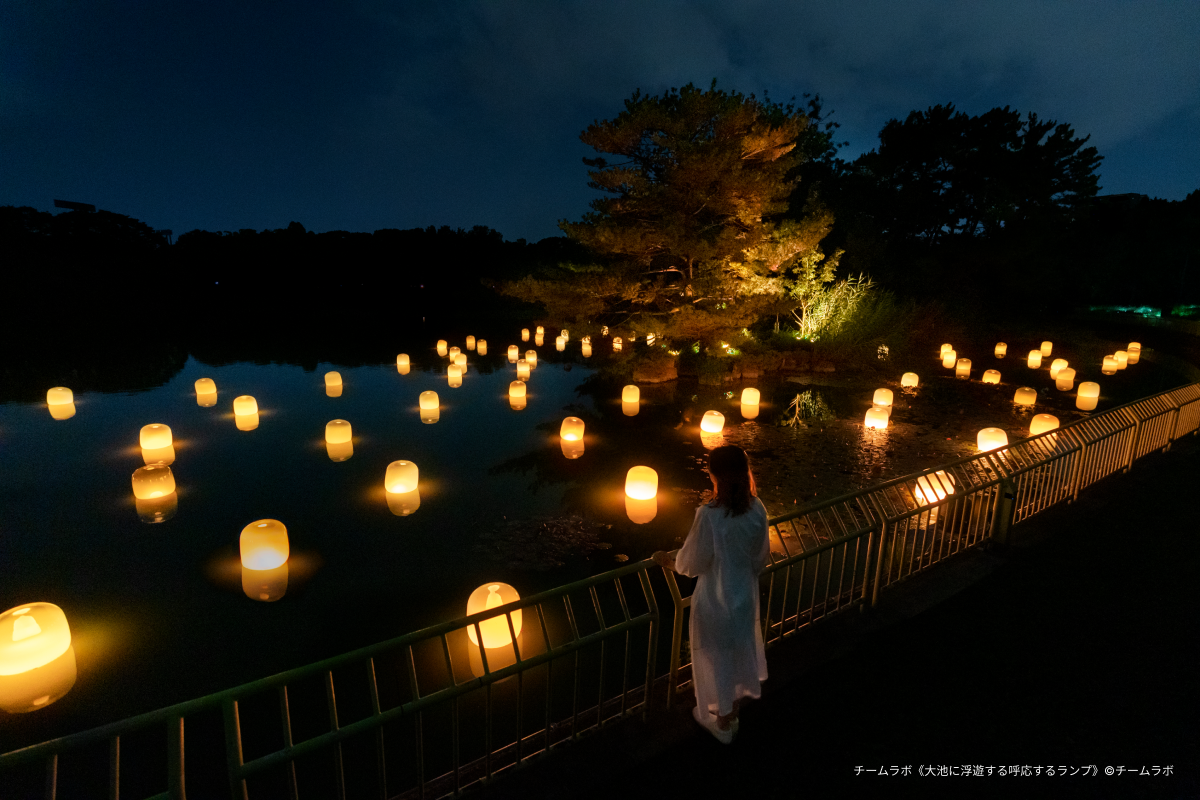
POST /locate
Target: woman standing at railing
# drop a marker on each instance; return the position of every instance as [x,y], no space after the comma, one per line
[726,549]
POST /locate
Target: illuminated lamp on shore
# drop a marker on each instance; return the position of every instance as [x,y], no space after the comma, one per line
[524,334]
[155,480]
[585,349]
[949,359]
[1047,348]
[1056,366]
[264,544]
[963,368]
[495,631]
[1035,359]
[1025,396]
[1088,396]
[1065,380]
[712,422]
[1135,352]
[631,394]
[333,379]
[1109,366]
[402,477]
[1001,349]
[338,431]
[1122,357]
[481,347]
[454,376]
[910,380]
[876,419]
[441,347]
[206,386]
[245,405]
[616,344]
[37,661]
[155,435]
[531,358]
[991,376]
[571,429]
[265,585]
[565,334]
[882,398]
[932,488]
[514,353]
[470,342]
[522,370]
[1042,423]
[991,438]
[560,344]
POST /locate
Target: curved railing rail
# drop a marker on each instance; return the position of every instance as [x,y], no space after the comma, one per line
[431,713]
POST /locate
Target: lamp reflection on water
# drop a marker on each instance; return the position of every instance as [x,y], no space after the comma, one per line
[514,353]
[37,660]
[157,509]
[404,503]
[524,334]
[630,409]
[339,451]
[1065,380]
[65,410]
[454,376]
[265,585]
[333,391]
[333,384]
[481,347]
[539,340]
[206,400]
[572,449]
[159,455]
[531,358]
[246,422]
[522,370]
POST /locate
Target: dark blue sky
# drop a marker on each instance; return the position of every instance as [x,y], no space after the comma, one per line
[364,115]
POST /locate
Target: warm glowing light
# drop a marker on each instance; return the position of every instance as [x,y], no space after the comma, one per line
[495,630]
[560,344]
[441,347]
[750,396]
[932,488]
[649,338]
[944,348]
[513,353]
[531,357]
[631,394]
[333,379]
[206,400]
[470,342]
[402,477]
[453,353]
[1134,356]
[539,340]
[909,380]
[630,409]
[59,396]
[876,419]
[1035,359]
[516,389]
[524,334]
[1047,348]
[246,422]
[460,361]
[712,422]
[402,362]
[586,349]
[265,585]
[616,344]
[641,511]
[749,411]
[1065,380]
[481,347]
[1025,396]
[540,330]
[154,480]
[1042,423]
[1056,366]
[339,451]
[991,376]
[454,376]
[32,635]
[338,431]
[883,397]
[523,370]
[949,359]
[428,400]
[565,334]
[963,368]
[1001,349]
[1109,366]
[403,504]
[154,436]
[158,455]
[571,429]
[1134,346]
[1088,396]
[991,438]
[63,410]
[641,483]
[206,386]
[1122,357]
[264,544]
[571,449]
[430,415]
[245,405]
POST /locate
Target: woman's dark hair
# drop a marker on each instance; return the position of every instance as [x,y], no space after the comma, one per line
[730,467]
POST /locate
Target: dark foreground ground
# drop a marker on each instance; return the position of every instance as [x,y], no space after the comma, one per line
[1076,646]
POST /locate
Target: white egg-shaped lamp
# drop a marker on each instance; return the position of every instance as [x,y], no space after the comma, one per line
[750,396]
[401,477]
[470,342]
[571,429]
[524,334]
[453,354]
[514,353]
[59,396]
[882,397]
[495,630]
[1035,359]
[333,379]
[531,358]
[155,436]
[991,376]
[944,348]
[428,401]
[245,405]
[641,483]
[402,361]
[153,480]
[1065,380]
[949,359]
[991,438]
[454,376]
[442,347]
[264,544]
[1056,366]
[522,370]
[963,368]
[517,389]
[338,431]
[910,380]
[631,394]
[1047,348]
[1042,423]
[1122,357]
[712,422]
[1088,396]
[1025,396]
[541,330]
[481,347]
[1001,349]
[876,419]
[585,349]
[560,344]
[206,386]
[31,636]
[1108,366]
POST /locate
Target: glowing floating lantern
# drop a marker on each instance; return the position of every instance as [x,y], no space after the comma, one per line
[333,379]
[1025,396]
[516,389]
[1047,348]
[560,344]
[454,376]
[523,370]
[495,631]
[1001,349]
[631,394]
[513,353]
[641,483]
[460,361]
[540,330]
[963,368]
[453,354]
[883,397]
[265,585]
[876,419]
[1056,366]
[712,422]
[909,380]
[1035,359]
[154,436]
[481,347]
[338,431]
[1042,423]
[442,347]
[430,415]
[932,488]
[59,396]
[949,359]
[1135,352]
[991,438]
[403,364]
[470,342]
[991,376]
[1122,357]
[616,344]
[539,340]
[206,386]
[531,358]
[246,422]
[37,661]
[264,544]
[586,349]
[245,405]
[1088,396]
[571,429]
[750,396]
[524,334]
[1065,380]
[155,480]
[428,401]
[946,347]
[1109,366]
[630,409]
[402,477]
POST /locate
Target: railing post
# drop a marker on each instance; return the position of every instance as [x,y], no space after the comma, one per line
[1006,505]
[233,750]
[881,523]
[1077,472]
[676,636]
[1131,452]
[175,779]
[1174,426]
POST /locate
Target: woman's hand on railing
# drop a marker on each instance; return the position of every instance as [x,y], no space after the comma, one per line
[664,559]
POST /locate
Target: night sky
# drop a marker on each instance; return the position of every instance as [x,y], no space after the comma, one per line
[362,115]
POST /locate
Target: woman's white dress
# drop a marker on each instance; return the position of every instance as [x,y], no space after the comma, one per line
[726,554]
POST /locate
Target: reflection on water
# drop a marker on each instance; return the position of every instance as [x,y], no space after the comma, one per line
[62,410]
[246,422]
[403,503]
[164,456]
[157,509]
[430,415]
[38,688]
[630,408]
[339,451]
[206,399]
[711,439]
[334,390]
[641,511]
[265,585]
[749,411]
[572,449]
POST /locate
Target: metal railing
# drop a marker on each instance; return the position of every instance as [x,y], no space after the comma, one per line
[431,713]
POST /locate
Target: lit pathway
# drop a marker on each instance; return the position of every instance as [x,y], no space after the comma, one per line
[1076,647]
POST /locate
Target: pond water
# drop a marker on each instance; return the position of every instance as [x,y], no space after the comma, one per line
[158,612]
